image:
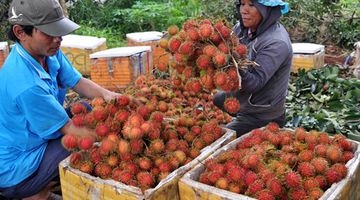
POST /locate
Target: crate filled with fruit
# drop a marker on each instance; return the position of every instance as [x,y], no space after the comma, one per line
[137,153]
[274,163]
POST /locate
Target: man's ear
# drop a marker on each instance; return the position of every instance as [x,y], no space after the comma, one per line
[19,32]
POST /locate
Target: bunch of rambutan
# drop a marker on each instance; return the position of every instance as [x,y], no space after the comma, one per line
[206,56]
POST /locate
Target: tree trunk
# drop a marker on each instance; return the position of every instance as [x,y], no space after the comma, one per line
[63,5]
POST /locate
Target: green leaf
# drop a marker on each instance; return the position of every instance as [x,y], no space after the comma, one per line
[311,76]
[335,105]
[352,117]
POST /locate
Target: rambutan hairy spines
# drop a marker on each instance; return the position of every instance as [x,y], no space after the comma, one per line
[69,141]
[210,50]
[255,187]
[297,193]
[315,193]
[78,108]
[333,153]
[189,24]
[163,43]
[231,105]
[162,67]
[206,30]
[78,120]
[241,49]
[193,34]
[320,164]
[223,47]
[186,48]
[86,142]
[293,180]
[174,44]
[220,78]
[306,169]
[173,30]
[203,61]
[220,59]
[332,176]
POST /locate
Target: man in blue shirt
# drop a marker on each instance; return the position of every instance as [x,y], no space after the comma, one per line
[33,81]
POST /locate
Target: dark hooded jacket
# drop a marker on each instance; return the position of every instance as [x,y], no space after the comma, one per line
[264,87]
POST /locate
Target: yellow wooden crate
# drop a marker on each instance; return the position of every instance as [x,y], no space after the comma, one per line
[307,56]
[307,62]
[150,38]
[76,185]
[4,51]
[191,189]
[78,48]
[116,68]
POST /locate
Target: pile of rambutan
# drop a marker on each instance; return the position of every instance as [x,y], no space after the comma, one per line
[273,163]
[134,144]
[174,101]
[206,56]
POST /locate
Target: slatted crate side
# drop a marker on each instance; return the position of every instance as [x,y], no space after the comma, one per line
[80,58]
[4,52]
[113,77]
[158,54]
[2,57]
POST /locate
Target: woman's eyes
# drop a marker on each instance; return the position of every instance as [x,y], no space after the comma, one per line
[250,4]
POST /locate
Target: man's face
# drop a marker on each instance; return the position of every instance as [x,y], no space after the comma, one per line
[251,17]
[41,44]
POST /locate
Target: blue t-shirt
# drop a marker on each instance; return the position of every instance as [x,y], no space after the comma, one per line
[31,111]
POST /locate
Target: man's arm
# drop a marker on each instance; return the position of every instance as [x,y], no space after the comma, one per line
[70,128]
[90,90]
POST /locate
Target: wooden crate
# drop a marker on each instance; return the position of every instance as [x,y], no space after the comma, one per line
[76,185]
[191,189]
[150,38]
[307,56]
[78,48]
[4,51]
[335,59]
[116,68]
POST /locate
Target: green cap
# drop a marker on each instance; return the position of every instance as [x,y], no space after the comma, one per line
[45,15]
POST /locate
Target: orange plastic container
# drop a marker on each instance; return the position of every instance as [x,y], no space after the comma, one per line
[78,48]
[4,51]
[116,68]
[150,38]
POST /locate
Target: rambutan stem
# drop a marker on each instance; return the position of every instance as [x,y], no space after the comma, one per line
[237,70]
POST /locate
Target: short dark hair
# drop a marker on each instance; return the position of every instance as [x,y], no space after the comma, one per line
[27,29]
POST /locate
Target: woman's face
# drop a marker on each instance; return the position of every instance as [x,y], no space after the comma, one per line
[251,17]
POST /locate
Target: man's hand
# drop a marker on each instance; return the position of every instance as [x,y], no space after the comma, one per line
[70,128]
[111,95]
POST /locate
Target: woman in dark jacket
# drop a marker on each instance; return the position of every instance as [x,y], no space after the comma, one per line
[264,87]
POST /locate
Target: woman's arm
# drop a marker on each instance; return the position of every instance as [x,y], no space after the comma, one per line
[269,58]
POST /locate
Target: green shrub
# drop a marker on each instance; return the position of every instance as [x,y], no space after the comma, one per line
[323,21]
[220,9]
[121,17]
[113,38]
[4,7]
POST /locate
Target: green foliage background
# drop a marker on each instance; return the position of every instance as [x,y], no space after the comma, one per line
[318,21]
[4,7]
